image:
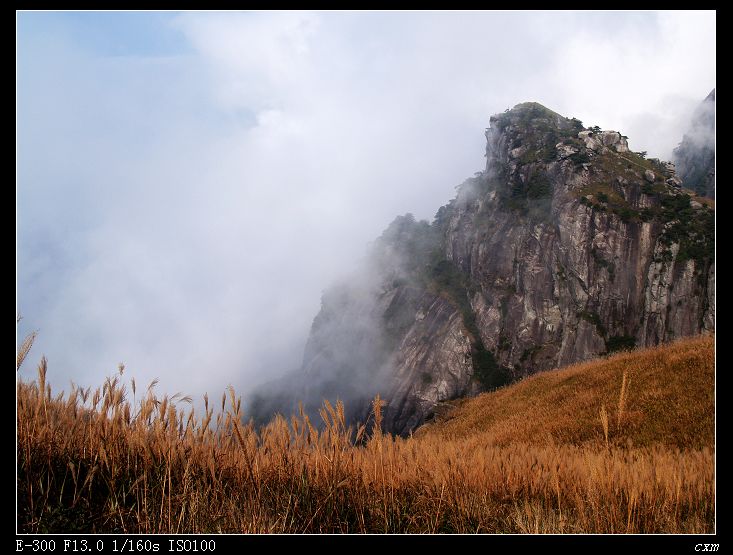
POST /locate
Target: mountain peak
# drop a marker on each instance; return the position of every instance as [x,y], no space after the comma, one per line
[534,116]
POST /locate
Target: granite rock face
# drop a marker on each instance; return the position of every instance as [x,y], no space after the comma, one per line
[613,139]
[561,250]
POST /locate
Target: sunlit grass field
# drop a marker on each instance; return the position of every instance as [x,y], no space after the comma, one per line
[617,445]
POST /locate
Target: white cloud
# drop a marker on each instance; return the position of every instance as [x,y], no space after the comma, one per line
[183,213]
[643,79]
[255,60]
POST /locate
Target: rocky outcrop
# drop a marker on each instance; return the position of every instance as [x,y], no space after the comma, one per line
[564,248]
[432,363]
[599,141]
[614,139]
[695,156]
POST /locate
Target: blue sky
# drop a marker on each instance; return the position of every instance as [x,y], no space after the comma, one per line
[189,183]
[107,33]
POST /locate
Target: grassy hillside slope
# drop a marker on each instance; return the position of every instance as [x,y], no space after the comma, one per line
[668,400]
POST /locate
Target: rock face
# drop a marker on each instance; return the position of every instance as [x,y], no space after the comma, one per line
[600,141]
[695,156]
[561,250]
[615,140]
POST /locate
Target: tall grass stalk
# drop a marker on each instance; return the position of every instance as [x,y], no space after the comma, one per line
[100,462]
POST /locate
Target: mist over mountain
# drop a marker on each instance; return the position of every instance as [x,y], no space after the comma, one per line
[189,183]
[567,246]
[695,156]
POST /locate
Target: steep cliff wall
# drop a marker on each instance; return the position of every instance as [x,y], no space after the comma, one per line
[578,254]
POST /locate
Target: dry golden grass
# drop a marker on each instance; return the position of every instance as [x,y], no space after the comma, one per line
[658,396]
[95,461]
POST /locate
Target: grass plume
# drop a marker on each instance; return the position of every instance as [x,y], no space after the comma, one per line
[529,458]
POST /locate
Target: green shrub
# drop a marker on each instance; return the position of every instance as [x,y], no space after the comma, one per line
[579,158]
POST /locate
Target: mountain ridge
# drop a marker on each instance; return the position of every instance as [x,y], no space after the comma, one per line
[565,247]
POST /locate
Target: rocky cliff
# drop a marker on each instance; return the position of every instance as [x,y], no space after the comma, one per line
[695,156]
[567,246]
